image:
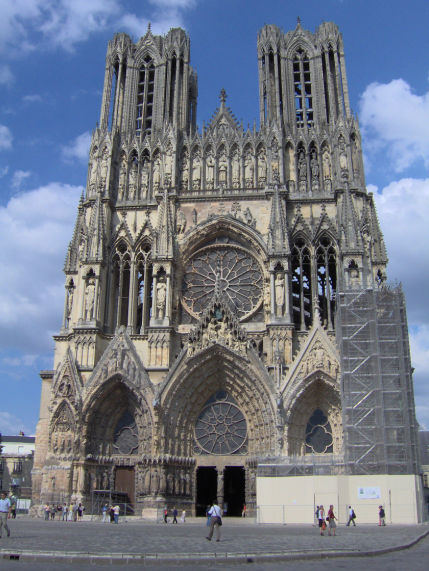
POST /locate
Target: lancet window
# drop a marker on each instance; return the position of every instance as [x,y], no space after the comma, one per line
[145,95]
[144,277]
[303,89]
[326,280]
[301,284]
[120,287]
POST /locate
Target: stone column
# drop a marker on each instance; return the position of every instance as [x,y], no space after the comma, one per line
[287,299]
[220,487]
[167,298]
[66,305]
[273,294]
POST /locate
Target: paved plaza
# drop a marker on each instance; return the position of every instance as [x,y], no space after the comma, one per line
[165,545]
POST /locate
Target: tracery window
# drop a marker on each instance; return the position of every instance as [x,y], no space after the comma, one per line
[145,95]
[301,284]
[126,435]
[327,280]
[318,434]
[303,89]
[224,264]
[120,286]
[144,288]
[221,427]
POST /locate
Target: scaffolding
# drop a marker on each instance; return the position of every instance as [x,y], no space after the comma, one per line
[99,498]
[379,423]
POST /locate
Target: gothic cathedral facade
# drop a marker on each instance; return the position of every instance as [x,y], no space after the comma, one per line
[218,284]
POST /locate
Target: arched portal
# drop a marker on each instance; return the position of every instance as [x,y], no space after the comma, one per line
[219,411]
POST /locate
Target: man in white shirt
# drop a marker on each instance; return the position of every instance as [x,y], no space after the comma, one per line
[5,511]
[215,513]
[351,516]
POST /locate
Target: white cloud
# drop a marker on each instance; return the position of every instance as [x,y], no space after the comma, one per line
[77,149]
[6,76]
[18,178]
[35,229]
[32,99]
[10,425]
[27,25]
[395,119]
[5,138]
[403,211]
[4,171]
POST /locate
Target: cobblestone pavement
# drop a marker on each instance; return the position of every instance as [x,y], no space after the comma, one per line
[137,537]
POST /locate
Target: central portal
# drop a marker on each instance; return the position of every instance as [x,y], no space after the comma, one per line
[206,489]
[235,490]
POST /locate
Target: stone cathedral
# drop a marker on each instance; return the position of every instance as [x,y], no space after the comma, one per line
[226,305]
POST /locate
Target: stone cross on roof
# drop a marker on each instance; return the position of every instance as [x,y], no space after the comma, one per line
[223,95]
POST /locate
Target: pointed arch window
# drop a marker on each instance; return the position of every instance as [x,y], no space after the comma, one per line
[303,90]
[120,286]
[326,262]
[301,284]
[145,96]
[144,269]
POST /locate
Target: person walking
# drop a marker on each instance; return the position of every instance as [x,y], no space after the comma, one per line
[321,518]
[165,514]
[331,519]
[243,511]
[174,515]
[382,516]
[352,517]
[116,511]
[47,511]
[104,510]
[183,518]
[5,511]
[65,510]
[216,520]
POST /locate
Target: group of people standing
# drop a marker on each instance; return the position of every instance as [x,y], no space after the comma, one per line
[74,512]
[174,514]
[111,513]
[330,522]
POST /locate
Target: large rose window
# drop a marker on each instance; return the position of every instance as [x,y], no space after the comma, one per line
[221,427]
[236,272]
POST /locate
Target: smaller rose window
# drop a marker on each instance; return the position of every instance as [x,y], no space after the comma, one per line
[318,434]
[126,436]
[221,427]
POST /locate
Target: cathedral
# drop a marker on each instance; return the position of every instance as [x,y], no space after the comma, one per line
[228,326]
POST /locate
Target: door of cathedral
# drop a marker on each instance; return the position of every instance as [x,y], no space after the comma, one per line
[235,493]
[125,481]
[206,489]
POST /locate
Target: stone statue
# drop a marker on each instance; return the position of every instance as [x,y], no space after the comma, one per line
[168,166]
[170,483]
[327,169]
[210,166]
[106,480]
[318,356]
[343,158]
[196,171]
[70,301]
[184,172]
[161,295]
[93,174]
[122,178]
[132,186]
[103,171]
[89,300]
[145,178]
[248,216]
[236,169]
[275,168]
[262,167]
[354,279]
[302,168]
[280,294]
[69,446]
[155,481]
[180,222]
[249,170]
[314,166]
[223,169]
[355,158]
[194,217]
[157,173]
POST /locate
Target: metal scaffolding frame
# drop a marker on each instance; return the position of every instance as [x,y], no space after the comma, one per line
[380,427]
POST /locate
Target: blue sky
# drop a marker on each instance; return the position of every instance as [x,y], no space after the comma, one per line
[52,57]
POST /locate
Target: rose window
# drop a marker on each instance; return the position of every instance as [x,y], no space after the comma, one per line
[126,438]
[318,435]
[221,427]
[236,272]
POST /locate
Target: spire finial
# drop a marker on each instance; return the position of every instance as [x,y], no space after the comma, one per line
[223,95]
[298,20]
[148,27]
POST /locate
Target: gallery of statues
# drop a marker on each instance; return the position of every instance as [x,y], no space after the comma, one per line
[229,331]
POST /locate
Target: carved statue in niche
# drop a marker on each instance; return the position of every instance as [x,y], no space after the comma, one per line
[327,169]
[314,166]
[180,222]
[236,169]
[155,481]
[249,170]
[210,167]
[343,158]
[157,173]
[104,169]
[355,158]
[70,302]
[89,300]
[223,168]
[248,216]
[147,481]
[170,483]
[367,242]
[280,294]
[122,178]
[275,167]
[55,445]
[184,170]
[132,186]
[161,295]
[168,166]
[106,480]
[194,217]
[262,167]
[69,446]
[93,174]
[82,245]
[302,169]
[317,356]
[354,279]
[145,178]
[196,171]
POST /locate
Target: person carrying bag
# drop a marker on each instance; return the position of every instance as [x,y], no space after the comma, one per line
[216,520]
